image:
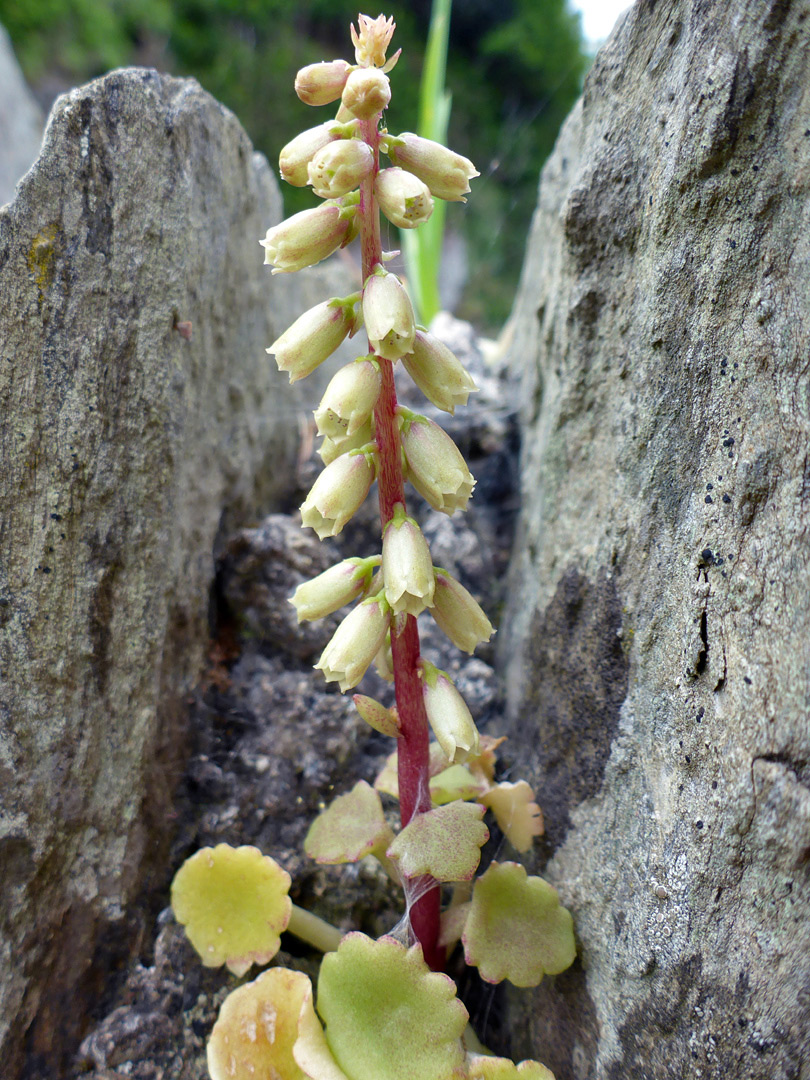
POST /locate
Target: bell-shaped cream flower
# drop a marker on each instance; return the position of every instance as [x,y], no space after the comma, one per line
[349,399]
[435,467]
[318,84]
[334,588]
[448,714]
[355,643]
[438,372]
[446,173]
[366,93]
[333,448]
[407,567]
[388,315]
[297,154]
[338,493]
[314,336]
[403,198]
[307,237]
[339,167]
[458,614]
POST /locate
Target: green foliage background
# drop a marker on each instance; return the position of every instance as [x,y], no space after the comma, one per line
[515,68]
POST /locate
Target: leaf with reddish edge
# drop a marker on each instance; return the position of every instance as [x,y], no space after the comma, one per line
[456,782]
[516,812]
[516,928]
[352,827]
[257,1027]
[444,843]
[233,904]
[482,1067]
[387,1016]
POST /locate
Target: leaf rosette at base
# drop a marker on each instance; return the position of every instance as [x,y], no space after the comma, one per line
[233,904]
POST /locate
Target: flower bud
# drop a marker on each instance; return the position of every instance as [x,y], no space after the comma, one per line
[384,661]
[314,336]
[448,714]
[458,614]
[318,84]
[446,173]
[366,93]
[298,153]
[333,588]
[349,399]
[407,567]
[333,448]
[307,237]
[339,167]
[435,467]
[337,494]
[388,315]
[438,373]
[355,643]
[376,715]
[403,198]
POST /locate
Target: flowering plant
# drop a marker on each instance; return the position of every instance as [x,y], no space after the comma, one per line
[384,1009]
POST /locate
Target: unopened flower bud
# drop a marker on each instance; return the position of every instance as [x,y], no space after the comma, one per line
[366,93]
[435,466]
[337,494]
[339,167]
[438,373]
[306,238]
[403,198]
[349,399]
[333,448]
[297,154]
[384,661]
[446,173]
[458,614]
[448,714]
[314,336]
[334,588]
[376,715]
[355,643]
[407,567]
[318,84]
[371,39]
[388,315]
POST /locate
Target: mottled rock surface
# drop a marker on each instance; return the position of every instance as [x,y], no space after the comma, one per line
[21,121]
[142,420]
[657,653]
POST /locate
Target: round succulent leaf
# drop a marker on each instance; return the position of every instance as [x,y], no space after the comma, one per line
[233,904]
[516,928]
[454,783]
[482,1067]
[350,828]
[517,814]
[311,1050]
[445,843]
[257,1027]
[387,1016]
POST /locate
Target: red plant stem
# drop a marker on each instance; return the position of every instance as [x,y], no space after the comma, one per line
[412,746]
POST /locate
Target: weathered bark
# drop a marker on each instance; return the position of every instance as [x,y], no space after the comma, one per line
[126,446]
[657,654]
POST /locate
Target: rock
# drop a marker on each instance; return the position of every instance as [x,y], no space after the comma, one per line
[658,621]
[142,420]
[20,121]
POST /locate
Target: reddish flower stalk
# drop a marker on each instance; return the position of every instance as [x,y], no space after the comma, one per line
[412,746]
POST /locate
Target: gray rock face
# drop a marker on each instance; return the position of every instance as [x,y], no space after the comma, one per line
[657,653]
[20,121]
[141,416]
